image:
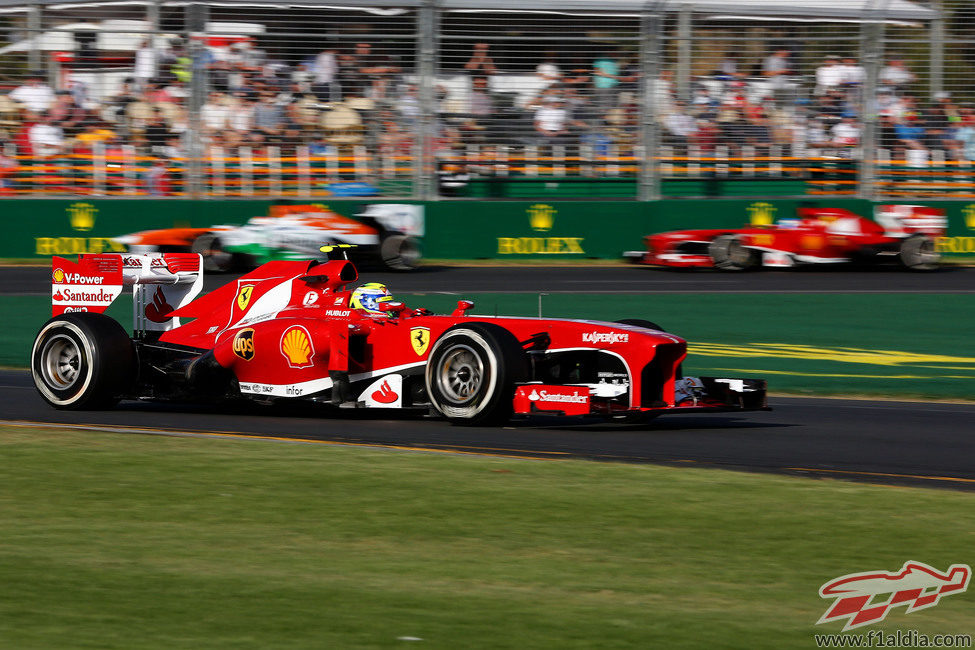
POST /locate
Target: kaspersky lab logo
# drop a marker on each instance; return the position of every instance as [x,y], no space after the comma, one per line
[866,598]
[761,213]
[82,216]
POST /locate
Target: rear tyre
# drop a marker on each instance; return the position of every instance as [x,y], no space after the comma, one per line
[399,252]
[471,373]
[729,254]
[82,361]
[215,257]
[918,253]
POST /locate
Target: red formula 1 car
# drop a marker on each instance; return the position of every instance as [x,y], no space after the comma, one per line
[903,234]
[287,331]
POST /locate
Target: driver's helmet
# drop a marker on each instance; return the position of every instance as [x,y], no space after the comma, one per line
[368,296]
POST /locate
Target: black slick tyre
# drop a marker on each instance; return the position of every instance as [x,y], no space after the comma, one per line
[639,322]
[471,373]
[729,254]
[215,258]
[918,253]
[82,361]
[399,252]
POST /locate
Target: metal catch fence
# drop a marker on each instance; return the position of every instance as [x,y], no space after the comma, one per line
[488,98]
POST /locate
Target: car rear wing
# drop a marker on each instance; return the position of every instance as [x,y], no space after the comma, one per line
[161,283]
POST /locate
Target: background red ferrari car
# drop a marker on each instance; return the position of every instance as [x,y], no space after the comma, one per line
[903,234]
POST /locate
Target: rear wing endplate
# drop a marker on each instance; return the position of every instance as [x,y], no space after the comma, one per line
[161,283]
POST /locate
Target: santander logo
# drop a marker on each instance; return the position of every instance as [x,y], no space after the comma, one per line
[546,396]
[385,394]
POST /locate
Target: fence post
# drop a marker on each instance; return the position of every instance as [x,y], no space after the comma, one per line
[937,48]
[649,181]
[684,29]
[196,18]
[34,33]
[872,56]
[424,157]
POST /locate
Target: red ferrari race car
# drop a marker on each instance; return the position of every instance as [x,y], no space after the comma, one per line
[295,331]
[903,234]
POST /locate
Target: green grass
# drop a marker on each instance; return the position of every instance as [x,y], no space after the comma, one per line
[120,541]
[817,344]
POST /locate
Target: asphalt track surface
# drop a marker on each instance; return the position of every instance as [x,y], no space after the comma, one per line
[598,279]
[891,442]
[879,441]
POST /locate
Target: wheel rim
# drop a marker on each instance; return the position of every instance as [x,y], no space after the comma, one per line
[60,362]
[461,374]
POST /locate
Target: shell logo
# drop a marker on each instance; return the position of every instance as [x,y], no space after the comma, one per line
[296,347]
[58,275]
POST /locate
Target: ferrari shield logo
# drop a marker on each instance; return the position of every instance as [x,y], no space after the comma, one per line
[420,339]
[244,296]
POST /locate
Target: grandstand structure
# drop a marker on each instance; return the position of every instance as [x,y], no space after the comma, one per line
[423,99]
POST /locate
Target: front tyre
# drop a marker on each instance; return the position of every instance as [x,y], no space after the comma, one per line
[918,253]
[471,373]
[729,254]
[82,361]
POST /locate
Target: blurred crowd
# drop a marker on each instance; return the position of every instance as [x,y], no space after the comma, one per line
[355,95]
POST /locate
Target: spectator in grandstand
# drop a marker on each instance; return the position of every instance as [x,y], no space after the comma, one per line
[829,75]
[92,131]
[706,136]
[910,132]
[156,131]
[887,134]
[846,133]
[548,71]
[215,113]
[481,101]
[896,74]
[816,136]
[853,73]
[325,75]
[679,127]
[480,63]
[66,114]
[729,68]
[268,116]
[777,68]
[552,122]
[965,134]
[145,63]
[46,139]
[240,112]
[941,121]
[703,105]
[605,80]
[35,95]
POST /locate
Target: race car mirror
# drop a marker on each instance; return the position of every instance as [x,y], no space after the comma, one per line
[394,307]
[462,307]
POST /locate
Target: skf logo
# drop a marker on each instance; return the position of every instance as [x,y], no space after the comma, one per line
[916,585]
[244,344]
[82,215]
[296,347]
[244,296]
[420,339]
[58,276]
[969,212]
[761,213]
[541,217]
